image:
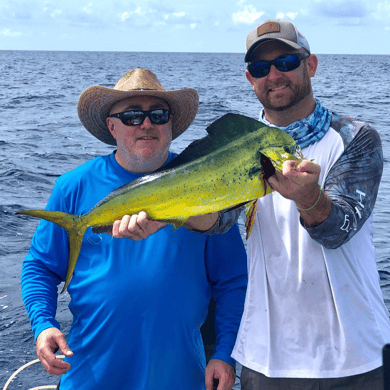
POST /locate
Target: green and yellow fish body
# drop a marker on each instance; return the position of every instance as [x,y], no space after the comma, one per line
[218,172]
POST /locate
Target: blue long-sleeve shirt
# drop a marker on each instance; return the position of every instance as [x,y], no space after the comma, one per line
[137,305]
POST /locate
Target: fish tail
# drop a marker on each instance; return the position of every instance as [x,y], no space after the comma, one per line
[73,224]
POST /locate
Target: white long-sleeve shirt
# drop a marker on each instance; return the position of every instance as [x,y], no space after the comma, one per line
[314,308]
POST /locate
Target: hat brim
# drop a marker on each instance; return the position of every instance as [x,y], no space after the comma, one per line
[250,51]
[95,103]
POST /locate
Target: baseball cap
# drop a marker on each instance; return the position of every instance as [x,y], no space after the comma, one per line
[281,30]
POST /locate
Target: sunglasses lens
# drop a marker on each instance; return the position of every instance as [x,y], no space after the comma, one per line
[159,117]
[287,63]
[259,69]
[137,117]
[133,118]
[284,63]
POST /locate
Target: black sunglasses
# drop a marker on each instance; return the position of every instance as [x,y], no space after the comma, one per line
[284,63]
[136,117]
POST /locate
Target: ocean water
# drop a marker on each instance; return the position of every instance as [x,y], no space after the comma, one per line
[41,138]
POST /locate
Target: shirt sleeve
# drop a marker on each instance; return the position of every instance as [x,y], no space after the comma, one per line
[352,184]
[227,272]
[226,219]
[44,268]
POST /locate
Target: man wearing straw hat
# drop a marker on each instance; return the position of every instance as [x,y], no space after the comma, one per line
[137,305]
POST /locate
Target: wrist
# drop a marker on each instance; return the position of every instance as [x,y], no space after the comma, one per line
[310,204]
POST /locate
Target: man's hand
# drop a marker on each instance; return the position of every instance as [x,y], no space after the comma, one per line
[139,226]
[136,227]
[224,372]
[47,342]
[300,184]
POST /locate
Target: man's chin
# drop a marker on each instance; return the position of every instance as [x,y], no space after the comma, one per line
[150,161]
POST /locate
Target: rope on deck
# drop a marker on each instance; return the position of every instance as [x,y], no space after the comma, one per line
[12,377]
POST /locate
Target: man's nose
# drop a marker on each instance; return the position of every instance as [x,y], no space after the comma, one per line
[274,72]
[146,123]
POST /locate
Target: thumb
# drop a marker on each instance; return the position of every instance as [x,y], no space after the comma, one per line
[63,346]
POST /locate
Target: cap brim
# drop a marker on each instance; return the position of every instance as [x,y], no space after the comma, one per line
[250,51]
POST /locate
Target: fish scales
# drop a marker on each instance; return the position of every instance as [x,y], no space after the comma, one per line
[218,172]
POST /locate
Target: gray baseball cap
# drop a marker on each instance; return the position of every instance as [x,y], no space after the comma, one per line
[281,30]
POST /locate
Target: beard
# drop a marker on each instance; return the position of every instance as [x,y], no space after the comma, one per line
[298,92]
[135,161]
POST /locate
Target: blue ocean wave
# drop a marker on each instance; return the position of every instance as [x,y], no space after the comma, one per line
[42,138]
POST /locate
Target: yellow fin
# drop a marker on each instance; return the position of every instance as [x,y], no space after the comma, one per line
[177,222]
[75,227]
[250,213]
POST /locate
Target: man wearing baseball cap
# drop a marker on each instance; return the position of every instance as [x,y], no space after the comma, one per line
[137,305]
[314,315]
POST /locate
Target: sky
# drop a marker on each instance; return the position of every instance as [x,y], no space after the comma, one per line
[330,26]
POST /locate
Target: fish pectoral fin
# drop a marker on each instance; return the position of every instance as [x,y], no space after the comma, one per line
[250,214]
[278,155]
[101,228]
[177,222]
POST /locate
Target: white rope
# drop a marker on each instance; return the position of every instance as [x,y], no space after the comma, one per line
[27,365]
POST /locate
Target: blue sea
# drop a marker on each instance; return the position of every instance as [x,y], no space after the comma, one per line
[41,138]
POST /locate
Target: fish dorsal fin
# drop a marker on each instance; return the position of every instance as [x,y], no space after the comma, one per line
[223,131]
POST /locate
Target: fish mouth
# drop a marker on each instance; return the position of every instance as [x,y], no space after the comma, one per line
[268,168]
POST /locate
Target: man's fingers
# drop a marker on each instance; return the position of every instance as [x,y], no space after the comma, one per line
[54,366]
[308,166]
[218,371]
[47,342]
[276,180]
[289,165]
[127,227]
[136,227]
[64,347]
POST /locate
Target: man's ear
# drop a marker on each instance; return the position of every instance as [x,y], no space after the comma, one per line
[312,63]
[111,125]
[249,77]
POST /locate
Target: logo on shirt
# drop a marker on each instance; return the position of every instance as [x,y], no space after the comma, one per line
[358,208]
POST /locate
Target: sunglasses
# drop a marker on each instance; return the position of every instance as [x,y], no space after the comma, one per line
[284,63]
[136,117]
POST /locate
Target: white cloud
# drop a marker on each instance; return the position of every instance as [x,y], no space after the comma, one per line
[248,15]
[7,32]
[56,13]
[193,25]
[290,15]
[88,9]
[126,15]
[179,14]
[383,10]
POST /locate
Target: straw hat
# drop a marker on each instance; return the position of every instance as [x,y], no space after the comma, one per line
[95,102]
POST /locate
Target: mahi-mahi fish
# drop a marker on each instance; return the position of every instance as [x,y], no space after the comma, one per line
[223,170]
